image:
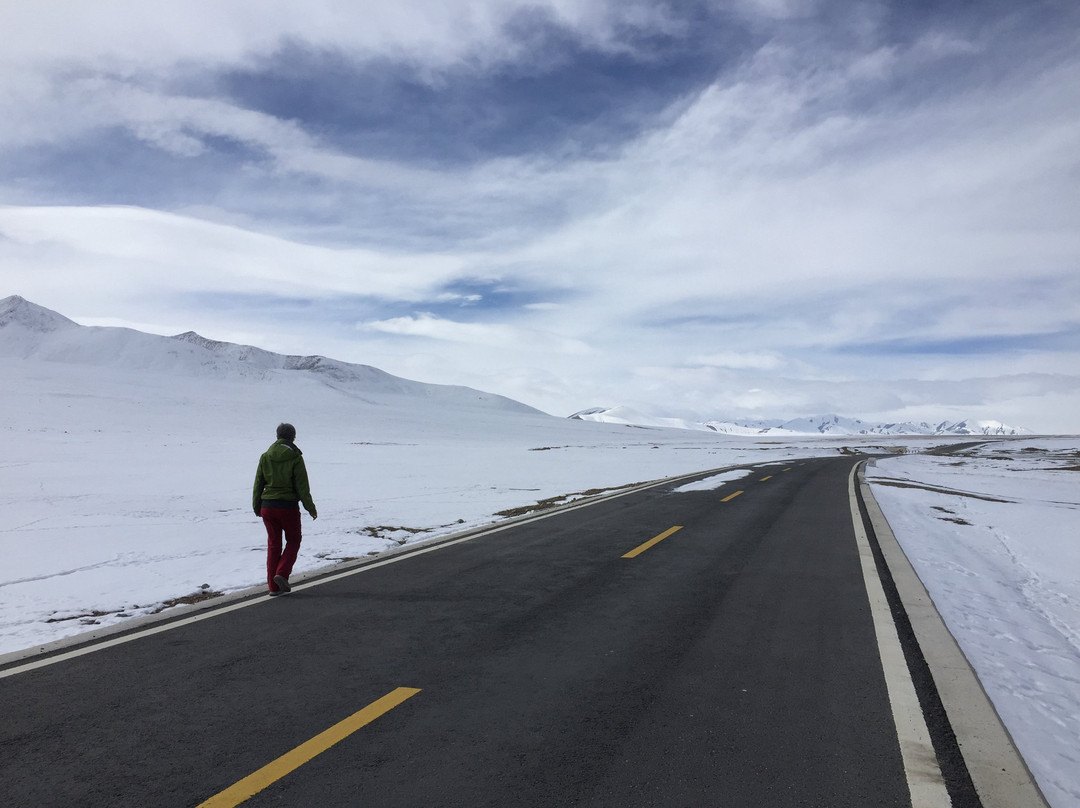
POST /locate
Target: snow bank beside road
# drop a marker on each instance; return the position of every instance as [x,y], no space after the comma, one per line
[992,533]
[713,482]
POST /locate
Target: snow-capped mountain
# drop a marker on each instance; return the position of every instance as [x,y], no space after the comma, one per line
[818,425]
[631,417]
[30,331]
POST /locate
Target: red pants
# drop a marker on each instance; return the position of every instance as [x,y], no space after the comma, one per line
[278,521]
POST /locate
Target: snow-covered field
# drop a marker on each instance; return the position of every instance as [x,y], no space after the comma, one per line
[126,489]
[128,461]
[994,534]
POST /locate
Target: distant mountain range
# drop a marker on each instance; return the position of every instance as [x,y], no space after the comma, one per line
[817,425]
[30,331]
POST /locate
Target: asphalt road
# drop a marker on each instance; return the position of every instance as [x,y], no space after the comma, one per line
[732,663]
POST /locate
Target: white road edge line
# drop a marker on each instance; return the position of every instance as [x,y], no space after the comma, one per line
[926,785]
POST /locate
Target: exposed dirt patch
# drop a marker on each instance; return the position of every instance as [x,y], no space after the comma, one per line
[386,532]
[956,448]
[949,491]
[340,559]
[952,517]
[198,597]
[554,502]
[541,505]
[93,618]
[394,533]
[89,618]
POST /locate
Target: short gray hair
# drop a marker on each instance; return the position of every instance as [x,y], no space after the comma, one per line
[286,432]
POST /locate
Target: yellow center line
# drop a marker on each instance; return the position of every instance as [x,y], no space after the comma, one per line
[731,497]
[655,540]
[763,479]
[787,469]
[272,772]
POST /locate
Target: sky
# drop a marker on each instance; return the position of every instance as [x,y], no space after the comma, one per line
[737,209]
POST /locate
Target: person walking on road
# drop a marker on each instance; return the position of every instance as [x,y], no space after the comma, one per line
[281,485]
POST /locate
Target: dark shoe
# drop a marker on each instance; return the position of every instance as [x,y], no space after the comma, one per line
[283,583]
[274,593]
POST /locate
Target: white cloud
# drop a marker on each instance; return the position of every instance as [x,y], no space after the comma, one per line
[118,33]
[129,35]
[428,325]
[127,250]
[499,336]
[758,360]
[766,226]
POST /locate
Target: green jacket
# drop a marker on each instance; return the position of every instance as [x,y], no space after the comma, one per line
[282,475]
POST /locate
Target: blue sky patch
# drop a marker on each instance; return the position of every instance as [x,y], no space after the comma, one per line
[562,98]
[114,167]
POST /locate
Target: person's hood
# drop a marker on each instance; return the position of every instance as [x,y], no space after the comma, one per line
[283,450]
